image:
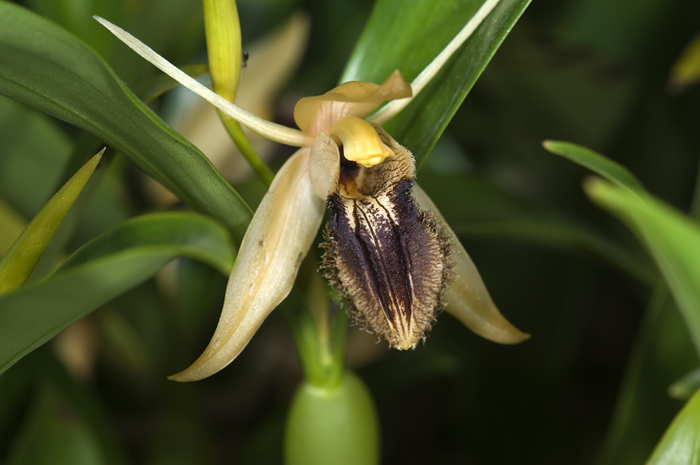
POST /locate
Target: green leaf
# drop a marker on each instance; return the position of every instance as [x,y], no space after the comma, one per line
[125,346]
[101,270]
[44,66]
[489,210]
[599,164]
[193,235]
[407,36]
[662,351]
[686,70]
[680,444]
[25,253]
[672,239]
[561,231]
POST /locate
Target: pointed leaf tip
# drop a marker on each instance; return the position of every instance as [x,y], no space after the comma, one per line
[599,164]
[20,260]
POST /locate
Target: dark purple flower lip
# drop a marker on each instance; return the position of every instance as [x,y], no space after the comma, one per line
[389,259]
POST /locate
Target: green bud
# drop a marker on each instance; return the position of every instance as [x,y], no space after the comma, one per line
[223,32]
[335,425]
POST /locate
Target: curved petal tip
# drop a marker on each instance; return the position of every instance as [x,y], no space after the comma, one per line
[468,300]
[479,314]
[280,235]
[354,98]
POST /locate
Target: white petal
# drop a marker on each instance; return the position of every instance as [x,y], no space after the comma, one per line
[272,131]
[279,237]
[467,298]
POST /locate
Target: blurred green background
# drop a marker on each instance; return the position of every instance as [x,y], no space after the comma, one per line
[590,387]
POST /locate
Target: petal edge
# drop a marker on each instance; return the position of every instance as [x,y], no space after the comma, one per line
[467,298]
[279,237]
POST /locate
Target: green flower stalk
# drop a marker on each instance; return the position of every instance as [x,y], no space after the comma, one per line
[223,32]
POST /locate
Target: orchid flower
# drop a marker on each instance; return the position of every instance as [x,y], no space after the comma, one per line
[388,250]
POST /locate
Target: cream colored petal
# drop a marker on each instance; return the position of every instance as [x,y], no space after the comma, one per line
[467,298]
[324,165]
[279,237]
[354,98]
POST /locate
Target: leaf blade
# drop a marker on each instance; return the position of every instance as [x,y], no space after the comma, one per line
[102,270]
[45,67]
[385,46]
[680,445]
[18,264]
[599,164]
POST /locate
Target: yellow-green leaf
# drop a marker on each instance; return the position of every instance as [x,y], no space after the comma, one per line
[25,253]
[680,444]
[686,71]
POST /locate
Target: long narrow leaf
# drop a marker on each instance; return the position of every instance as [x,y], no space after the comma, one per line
[194,235]
[74,428]
[387,45]
[44,66]
[12,226]
[18,264]
[55,433]
[599,164]
[105,268]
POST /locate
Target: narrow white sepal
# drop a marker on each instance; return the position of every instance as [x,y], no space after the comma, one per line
[394,107]
[272,131]
[279,237]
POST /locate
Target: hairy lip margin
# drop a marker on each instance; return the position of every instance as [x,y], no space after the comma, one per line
[387,257]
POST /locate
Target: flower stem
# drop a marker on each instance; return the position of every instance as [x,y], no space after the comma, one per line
[319,333]
[239,138]
[223,32]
